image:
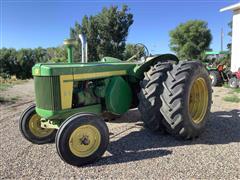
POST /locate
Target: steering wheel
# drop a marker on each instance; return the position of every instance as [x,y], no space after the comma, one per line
[139,54]
[146,52]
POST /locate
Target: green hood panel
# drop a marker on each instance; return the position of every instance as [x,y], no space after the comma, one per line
[50,69]
[108,65]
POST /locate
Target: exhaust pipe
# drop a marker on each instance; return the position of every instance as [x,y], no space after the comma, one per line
[83,39]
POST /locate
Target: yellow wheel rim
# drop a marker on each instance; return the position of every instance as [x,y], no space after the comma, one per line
[36,129]
[198,101]
[84,140]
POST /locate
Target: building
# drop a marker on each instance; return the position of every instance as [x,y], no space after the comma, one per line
[235,57]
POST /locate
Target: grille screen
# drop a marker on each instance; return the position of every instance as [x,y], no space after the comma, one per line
[47,92]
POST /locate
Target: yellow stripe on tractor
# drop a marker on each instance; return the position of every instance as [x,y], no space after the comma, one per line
[66,86]
[98,75]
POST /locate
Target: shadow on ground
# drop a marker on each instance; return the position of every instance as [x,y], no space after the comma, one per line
[222,128]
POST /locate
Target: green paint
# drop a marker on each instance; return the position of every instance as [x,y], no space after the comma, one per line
[216,52]
[70,43]
[211,68]
[63,114]
[47,92]
[138,71]
[56,69]
[110,60]
[70,54]
[101,88]
[134,69]
[118,96]
[86,97]
[107,86]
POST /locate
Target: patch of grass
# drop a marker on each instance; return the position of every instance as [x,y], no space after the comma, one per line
[8,83]
[5,86]
[237,90]
[3,100]
[9,100]
[15,98]
[233,98]
[226,85]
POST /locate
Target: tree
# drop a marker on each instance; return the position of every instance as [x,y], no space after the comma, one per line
[8,61]
[106,33]
[20,62]
[191,39]
[229,45]
[57,54]
[26,59]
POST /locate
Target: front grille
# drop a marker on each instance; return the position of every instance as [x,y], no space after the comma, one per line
[47,92]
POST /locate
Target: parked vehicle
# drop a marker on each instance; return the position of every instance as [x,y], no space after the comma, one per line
[70,98]
[219,73]
[234,81]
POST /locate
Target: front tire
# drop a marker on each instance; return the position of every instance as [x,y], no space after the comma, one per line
[30,127]
[233,82]
[82,139]
[186,99]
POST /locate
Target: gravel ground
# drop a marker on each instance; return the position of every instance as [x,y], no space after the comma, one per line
[134,152]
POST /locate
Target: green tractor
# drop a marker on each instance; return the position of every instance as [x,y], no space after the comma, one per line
[171,95]
[219,73]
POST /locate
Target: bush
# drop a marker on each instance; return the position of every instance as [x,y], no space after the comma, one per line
[20,63]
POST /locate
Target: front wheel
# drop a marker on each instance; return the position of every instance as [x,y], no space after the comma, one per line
[186,99]
[30,127]
[82,139]
[215,77]
[233,82]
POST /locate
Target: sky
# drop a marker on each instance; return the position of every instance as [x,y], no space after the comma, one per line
[42,23]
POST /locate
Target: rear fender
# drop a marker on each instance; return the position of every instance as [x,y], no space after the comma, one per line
[139,71]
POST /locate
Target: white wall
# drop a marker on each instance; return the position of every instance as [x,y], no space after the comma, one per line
[235,61]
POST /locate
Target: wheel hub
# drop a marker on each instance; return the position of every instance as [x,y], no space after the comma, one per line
[198,100]
[36,129]
[84,140]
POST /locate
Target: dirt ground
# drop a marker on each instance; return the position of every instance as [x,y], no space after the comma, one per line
[134,152]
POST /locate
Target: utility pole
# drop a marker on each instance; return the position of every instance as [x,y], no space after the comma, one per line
[222,39]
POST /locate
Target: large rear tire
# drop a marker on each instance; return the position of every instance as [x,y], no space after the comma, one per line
[149,101]
[186,99]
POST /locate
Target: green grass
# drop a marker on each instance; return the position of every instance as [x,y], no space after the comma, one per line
[2,99]
[226,85]
[9,83]
[237,90]
[15,98]
[5,86]
[232,98]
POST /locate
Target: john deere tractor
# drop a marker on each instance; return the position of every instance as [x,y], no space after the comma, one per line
[219,72]
[171,95]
